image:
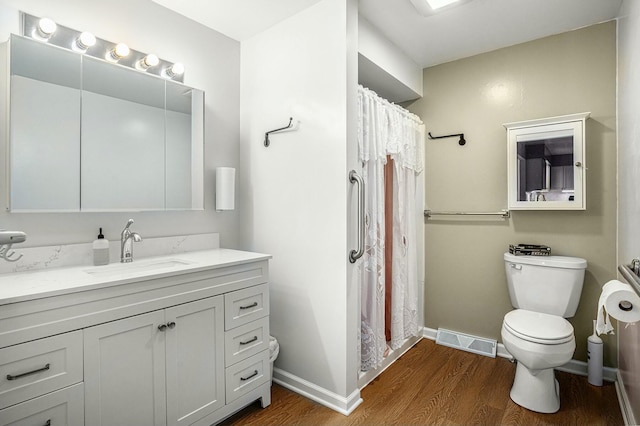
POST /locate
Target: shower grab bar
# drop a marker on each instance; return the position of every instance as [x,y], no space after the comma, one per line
[503,213]
[357,254]
[627,271]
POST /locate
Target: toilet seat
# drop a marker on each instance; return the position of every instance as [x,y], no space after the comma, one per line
[538,327]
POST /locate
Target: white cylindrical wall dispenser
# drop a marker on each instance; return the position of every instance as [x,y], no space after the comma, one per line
[225,188]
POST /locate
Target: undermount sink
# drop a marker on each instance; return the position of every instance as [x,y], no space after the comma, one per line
[135,267]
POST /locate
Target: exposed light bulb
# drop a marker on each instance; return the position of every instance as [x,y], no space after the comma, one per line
[174,70]
[46,27]
[120,51]
[84,42]
[151,60]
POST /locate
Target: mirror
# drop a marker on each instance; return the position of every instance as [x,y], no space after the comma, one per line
[546,163]
[89,135]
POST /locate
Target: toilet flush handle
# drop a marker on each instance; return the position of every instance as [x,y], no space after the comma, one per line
[516,266]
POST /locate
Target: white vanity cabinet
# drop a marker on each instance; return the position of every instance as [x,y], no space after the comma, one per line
[186,347]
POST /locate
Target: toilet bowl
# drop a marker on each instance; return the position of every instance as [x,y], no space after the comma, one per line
[539,342]
[544,290]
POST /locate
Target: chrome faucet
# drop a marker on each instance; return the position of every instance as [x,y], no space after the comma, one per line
[127,238]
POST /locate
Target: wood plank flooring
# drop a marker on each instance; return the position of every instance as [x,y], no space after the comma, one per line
[436,385]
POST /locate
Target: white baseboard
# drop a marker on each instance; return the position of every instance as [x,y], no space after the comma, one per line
[580,368]
[574,366]
[430,333]
[625,404]
[316,393]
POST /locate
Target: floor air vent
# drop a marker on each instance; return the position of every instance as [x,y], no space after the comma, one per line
[477,345]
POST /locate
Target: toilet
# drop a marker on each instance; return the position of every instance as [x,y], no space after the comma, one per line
[544,290]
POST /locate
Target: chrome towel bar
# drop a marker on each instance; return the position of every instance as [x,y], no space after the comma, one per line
[502,213]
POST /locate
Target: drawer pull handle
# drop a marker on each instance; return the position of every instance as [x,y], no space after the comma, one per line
[253,305]
[28,373]
[249,341]
[254,374]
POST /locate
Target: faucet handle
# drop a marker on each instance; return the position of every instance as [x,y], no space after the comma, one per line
[129,223]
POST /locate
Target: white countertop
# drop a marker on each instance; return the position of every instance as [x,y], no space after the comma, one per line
[23,286]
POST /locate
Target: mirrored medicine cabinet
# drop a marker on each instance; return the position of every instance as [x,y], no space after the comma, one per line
[546,163]
[90,135]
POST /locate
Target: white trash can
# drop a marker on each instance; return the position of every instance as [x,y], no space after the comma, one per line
[274,350]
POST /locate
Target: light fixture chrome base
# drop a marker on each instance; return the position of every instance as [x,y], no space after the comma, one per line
[67,38]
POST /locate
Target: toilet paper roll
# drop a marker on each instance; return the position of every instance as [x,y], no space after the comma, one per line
[620,301]
[225,188]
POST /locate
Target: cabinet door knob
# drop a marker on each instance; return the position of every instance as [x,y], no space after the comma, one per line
[578,164]
[162,327]
[171,324]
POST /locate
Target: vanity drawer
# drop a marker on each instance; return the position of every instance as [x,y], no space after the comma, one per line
[247,375]
[246,340]
[34,368]
[243,306]
[64,407]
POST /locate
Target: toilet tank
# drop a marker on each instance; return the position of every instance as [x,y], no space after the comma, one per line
[547,284]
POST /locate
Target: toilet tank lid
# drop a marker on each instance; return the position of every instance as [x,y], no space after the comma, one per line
[549,261]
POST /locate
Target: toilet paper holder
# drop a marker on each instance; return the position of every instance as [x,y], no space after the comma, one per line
[625,305]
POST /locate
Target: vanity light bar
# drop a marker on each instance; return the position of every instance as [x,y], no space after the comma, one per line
[48,31]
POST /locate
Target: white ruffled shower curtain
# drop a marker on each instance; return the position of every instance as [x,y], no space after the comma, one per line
[385,129]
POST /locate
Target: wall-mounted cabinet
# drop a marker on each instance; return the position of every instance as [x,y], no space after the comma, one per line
[89,135]
[546,163]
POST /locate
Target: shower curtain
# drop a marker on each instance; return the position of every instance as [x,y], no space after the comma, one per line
[385,129]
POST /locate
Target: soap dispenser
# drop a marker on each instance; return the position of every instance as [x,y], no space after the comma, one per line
[101,250]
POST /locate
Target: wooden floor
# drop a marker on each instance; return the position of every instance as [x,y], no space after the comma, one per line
[436,385]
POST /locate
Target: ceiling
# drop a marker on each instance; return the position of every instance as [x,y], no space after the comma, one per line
[474,27]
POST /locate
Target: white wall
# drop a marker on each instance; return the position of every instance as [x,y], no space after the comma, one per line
[629,185]
[384,68]
[294,195]
[212,64]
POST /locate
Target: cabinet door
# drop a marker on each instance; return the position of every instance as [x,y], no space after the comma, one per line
[195,360]
[124,365]
[538,144]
